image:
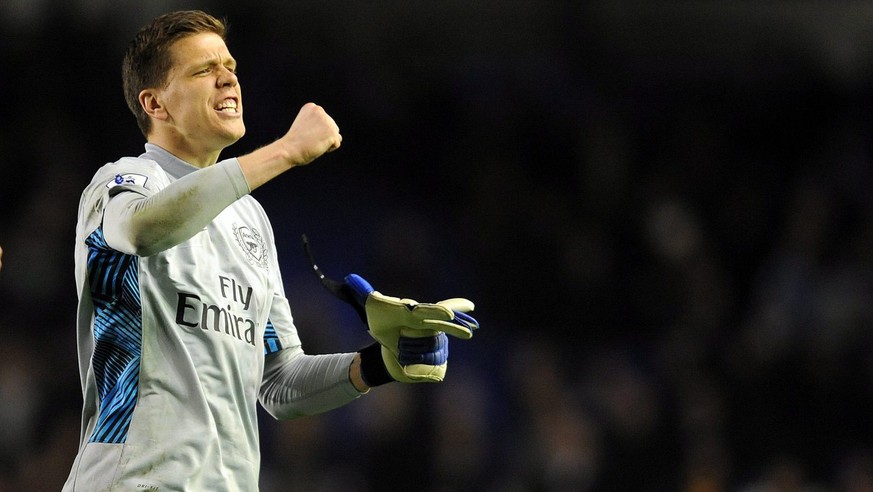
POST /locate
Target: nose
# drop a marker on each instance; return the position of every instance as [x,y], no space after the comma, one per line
[227,78]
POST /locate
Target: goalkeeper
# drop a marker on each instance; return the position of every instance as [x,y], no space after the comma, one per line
[183,325]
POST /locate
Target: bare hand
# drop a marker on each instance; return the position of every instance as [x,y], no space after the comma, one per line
[312,134]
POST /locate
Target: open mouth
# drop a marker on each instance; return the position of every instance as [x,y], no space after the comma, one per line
[228,105]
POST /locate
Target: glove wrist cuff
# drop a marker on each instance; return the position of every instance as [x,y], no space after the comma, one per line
[373,369]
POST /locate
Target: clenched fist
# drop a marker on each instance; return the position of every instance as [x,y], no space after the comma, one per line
[312,134]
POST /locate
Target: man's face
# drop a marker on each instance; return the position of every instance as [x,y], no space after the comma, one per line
[202,96]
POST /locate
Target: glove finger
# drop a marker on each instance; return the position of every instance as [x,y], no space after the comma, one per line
[461,307]
[391,310]
[418,319]
[428,311]
[458,304]
[451,328]
[376,296]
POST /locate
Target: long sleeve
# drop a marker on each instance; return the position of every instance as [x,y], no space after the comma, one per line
[139,223]
[296,384]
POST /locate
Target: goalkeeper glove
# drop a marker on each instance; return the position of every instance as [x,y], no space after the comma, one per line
[411,336]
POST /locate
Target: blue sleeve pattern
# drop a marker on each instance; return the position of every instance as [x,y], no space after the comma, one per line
[271,339]
[114,285]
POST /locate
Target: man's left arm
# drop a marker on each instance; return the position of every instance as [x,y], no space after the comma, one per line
[410,345]
[296,384]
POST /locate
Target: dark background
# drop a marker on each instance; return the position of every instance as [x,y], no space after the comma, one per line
[661,209]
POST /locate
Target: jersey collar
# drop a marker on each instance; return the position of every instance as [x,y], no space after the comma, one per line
[171,164]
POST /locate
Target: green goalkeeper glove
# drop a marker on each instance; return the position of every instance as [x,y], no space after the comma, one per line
[411,336]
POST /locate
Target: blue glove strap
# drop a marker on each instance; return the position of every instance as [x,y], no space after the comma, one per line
[360,287]
[433,351]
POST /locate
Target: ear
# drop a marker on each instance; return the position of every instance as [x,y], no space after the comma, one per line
[150,101]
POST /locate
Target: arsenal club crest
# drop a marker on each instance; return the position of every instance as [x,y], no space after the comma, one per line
[252,244]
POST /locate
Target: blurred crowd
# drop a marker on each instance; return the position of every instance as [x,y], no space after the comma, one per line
[663,215]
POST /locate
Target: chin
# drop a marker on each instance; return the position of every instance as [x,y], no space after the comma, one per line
[235,134]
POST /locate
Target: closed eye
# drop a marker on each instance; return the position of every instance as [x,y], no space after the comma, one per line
[208,70]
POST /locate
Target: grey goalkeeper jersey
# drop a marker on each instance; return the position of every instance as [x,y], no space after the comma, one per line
[180,334]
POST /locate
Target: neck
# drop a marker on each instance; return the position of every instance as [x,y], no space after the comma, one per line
[193,154]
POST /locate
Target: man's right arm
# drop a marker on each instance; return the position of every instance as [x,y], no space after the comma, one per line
[312,134]
[143,226]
